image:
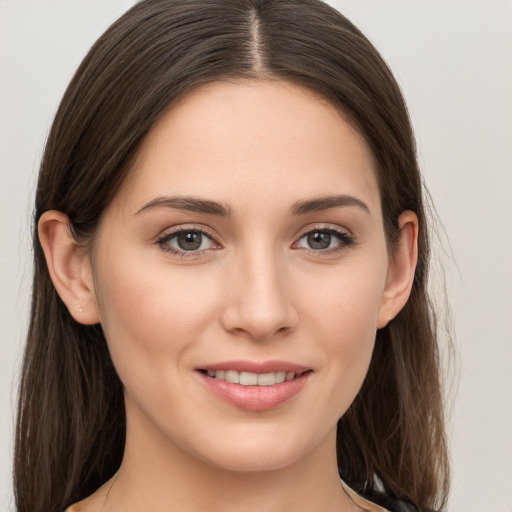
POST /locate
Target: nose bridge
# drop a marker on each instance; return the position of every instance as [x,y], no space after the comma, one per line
[259,301]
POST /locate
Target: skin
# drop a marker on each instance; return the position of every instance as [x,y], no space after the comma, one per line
[255,291]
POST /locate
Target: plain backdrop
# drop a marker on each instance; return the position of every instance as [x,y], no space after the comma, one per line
[453,60]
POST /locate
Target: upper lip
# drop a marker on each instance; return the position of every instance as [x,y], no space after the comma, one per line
[256,366]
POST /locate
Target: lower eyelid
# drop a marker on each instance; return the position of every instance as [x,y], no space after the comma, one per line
[345,239]
[164,239]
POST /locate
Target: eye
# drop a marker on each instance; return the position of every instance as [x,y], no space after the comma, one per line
[184,241]
[324,239]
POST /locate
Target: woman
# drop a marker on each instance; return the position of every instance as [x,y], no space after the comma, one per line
[231,258]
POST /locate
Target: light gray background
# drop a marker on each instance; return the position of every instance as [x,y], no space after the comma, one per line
[453,60]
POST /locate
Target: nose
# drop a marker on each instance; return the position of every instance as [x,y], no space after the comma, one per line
[259,298]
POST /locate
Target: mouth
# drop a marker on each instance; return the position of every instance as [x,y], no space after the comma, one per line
[255,386]
[253,379]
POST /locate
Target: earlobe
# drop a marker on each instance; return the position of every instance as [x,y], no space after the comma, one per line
[401,270]
[69,267]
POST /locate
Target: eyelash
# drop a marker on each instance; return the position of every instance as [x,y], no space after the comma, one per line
[345,240]
[164,239]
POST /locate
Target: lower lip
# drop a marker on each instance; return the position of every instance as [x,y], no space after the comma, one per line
[256,398]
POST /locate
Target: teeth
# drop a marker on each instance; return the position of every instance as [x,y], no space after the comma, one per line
[252,379]
[266,379]
[281,377]
[248,379]
[232,376]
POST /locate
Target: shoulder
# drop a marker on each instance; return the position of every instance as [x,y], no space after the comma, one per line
[93,503]
[379,503]
[392,504]
[87,505]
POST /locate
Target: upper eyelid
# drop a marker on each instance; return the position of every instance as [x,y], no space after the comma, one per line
[188,227]
[163,240]
[323,227]
[170,231]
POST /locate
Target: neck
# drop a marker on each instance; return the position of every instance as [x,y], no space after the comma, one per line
[160,476]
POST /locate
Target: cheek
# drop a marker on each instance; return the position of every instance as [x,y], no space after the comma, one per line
[151,316]
[342,316]
[345,303]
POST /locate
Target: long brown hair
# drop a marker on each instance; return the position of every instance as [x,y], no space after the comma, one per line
[71,424]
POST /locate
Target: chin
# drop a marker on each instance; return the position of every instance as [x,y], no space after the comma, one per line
[251,462]
[256,453]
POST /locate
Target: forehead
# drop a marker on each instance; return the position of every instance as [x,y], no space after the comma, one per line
[251,139]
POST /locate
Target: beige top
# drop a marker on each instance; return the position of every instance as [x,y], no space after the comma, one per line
[363,503]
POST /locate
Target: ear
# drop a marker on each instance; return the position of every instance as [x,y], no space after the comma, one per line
[401,269]
[69,267]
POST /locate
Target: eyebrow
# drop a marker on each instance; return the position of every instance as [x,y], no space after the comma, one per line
[199,205]
[325,203]
[187,203]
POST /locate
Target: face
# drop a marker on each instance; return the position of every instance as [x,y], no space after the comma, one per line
[245,249]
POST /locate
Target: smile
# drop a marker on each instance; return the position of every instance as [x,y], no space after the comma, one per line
[253,379]
[255,386]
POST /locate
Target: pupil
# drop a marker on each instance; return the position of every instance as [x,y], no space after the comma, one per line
[189,241]
[319,240]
